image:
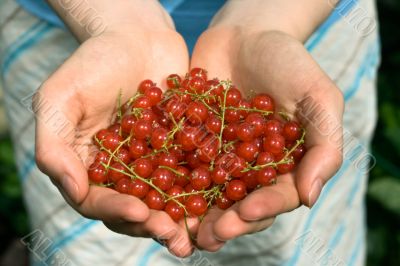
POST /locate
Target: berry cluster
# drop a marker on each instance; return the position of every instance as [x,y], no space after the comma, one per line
[198,144]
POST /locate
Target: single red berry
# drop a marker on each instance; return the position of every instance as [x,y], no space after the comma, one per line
[266,176]
[115,128]
[291,131]
[245,105]
[245,132]
[144,85]
[263,102]
[101,135]
[208,149]
[142,129]
[182,179]
[176,108]
[274,143]
[248,151]
[236,190]
[102,157]
[97,173]
[122,156]
[200,178]
[175,191]
[196,205]
[223,202]
[188,137]
[285,168]
[124,186]
[273,127]
[233,97]
[173,81]
[154,94]
[213,124]
[112,141]
[168,159]
[219,175]
[139,188]
[193,160]
[299,152]
[198,72]
[159,138]
[142,102]
[258,123]
[117,172]
[197,85]
[163,178]
[230,132]
[127,123]
[143,167]
[148,115]
[250,179]
[155,200]
[137,148]
[232,115]
[264,158]
[174,211]
[196,113]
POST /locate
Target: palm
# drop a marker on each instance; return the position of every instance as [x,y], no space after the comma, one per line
[275,64]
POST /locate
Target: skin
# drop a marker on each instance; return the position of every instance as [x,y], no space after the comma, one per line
[261,51]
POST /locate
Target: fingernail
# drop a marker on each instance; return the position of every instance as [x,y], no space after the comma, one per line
[314,192]
[70,187]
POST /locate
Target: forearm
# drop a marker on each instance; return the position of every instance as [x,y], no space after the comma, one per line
[130,15]
[298,18]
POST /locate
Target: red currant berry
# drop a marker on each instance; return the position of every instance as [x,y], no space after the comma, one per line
[112,141]
[182,179]
[291,131]
[175,191]
[139,188]
[273,127]
[264,158]
[196,205]
[266,176]
[230,132]
[248,151]
[233,97]
[163,178]
[155,200]
[137,148]
[97,173]
[223,202]
[143,167]
[142,102]
[200,178]
[168,159]
[236,190]
[144,85]
[124,186]
[197,85]
[245,132]
[127,123]
[219,175]
[274,143]
[258,123]
[196,113]
[198,72]
[159,138]
[250,179]
[213,124]
[263,102]
[117,172]
[173,81]
[174,211]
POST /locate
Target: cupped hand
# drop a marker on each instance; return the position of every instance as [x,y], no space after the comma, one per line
[274,63]
[83,94]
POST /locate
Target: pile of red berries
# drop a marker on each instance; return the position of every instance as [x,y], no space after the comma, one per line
[198,144]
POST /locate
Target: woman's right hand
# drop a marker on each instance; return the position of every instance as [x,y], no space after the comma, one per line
[83,92]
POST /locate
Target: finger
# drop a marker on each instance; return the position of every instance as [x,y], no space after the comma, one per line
[270,201]
[237,226]
[321,114]
[161,227]
[55,133]
[205,237]
[111,206]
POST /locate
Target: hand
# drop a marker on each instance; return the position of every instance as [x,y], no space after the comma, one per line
[272,62]
[84,93]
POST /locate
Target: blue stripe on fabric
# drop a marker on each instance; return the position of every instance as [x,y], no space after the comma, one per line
[145,259]
[367,64]
[356,250]
[29,42]
[171,5]
[337,236]
[14,45]
[71,234]
[315,208]
[342,9]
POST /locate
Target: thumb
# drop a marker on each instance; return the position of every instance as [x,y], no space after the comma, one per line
[321,114]
[54,146]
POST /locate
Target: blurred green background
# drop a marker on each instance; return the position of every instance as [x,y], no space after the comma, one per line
[383,198]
